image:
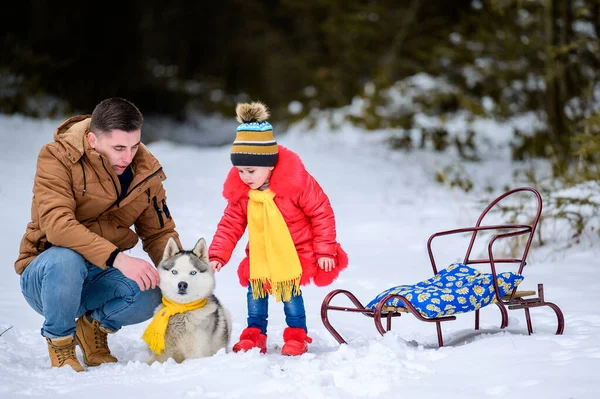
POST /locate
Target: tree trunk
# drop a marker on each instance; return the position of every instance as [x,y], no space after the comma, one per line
[557,26]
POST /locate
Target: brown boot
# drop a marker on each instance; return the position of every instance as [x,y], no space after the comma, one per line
[92,339]
[62,353]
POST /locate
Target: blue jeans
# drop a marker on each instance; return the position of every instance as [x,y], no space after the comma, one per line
[61,285]
[258,312]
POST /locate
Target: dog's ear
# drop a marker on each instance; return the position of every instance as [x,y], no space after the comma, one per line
[171,249]
[200,250]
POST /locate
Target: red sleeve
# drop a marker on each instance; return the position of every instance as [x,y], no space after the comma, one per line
[315,204]
[229,231]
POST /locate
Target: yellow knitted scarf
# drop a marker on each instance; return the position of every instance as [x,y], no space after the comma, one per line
[155,333]
[274,264]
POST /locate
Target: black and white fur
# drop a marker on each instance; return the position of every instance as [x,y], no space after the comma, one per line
[186,276]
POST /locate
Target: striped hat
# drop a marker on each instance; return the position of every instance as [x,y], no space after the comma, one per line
[254,143]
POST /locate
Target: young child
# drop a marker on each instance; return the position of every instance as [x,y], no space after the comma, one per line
[291,229]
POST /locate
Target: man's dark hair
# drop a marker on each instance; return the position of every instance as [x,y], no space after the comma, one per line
[116,113]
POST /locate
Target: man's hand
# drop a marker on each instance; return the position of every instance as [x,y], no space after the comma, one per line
[138,270]
[215,265]
[326,264]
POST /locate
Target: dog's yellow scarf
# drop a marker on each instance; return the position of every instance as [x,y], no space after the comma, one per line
[155,333]
[274,264]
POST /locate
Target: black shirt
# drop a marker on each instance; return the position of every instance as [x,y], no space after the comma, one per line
[125,179]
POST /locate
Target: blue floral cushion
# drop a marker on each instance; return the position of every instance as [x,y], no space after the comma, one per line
[456,289]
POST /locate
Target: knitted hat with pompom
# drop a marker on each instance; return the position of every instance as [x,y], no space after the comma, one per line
[254,143]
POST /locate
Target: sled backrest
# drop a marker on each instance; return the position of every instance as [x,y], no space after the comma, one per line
[500,231]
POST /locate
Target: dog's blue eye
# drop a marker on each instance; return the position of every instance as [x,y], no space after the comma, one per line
[193,272]
[174,271]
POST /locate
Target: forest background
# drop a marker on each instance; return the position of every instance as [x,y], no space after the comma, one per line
[483,59]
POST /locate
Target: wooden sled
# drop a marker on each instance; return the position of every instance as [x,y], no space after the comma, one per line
[512,300]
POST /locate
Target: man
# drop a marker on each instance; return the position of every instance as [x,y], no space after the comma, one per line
[92,184]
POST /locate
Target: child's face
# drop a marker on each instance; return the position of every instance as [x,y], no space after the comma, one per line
[254,176]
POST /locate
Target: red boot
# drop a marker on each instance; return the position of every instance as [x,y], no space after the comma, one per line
[250,338]
[295,341]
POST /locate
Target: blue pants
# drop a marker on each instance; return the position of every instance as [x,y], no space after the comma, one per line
[258,312]
[61,285]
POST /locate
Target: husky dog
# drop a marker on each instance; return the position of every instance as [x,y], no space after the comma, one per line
[185,276]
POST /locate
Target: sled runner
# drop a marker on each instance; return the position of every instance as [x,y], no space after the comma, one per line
[459,288]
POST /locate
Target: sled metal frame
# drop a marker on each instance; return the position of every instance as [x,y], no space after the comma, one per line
[514,300]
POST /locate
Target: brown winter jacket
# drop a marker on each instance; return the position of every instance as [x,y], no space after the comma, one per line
[75,202]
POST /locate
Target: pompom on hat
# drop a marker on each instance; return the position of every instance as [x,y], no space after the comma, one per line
[254,143]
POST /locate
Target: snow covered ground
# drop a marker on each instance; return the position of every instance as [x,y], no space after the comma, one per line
[387,205]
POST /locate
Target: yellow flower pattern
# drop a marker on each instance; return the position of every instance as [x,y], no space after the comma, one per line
[447,297]
[423,297]
[432,307]
[459,287]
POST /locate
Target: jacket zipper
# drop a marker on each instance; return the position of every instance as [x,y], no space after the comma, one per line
[118,201]
[84,181]
[159,212]
[166,209]
[143,181]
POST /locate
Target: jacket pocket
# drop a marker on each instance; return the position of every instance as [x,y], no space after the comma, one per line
[159,212]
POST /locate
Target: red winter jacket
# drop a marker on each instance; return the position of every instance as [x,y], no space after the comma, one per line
[305,209]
